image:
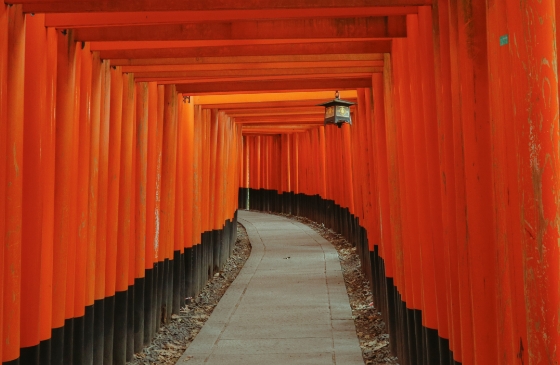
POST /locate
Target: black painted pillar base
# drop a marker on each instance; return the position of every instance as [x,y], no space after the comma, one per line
[45,352]
[78,350]
[139,310]
[120,328]
[88,334]
[29,355]
[130,323]
[108,329]
[98,331]
[68,340]
[148,306]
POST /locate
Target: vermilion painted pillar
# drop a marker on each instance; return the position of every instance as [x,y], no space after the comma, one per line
[271,154]
[131,310]
[74,219]
[347,160]
[308,164]
[473,79]
[178,231]
[228,158]
[93,204]
[420,187]
[396,284]
[409,206]
[274,152]
[83,190]
[284,163]
[506,190]
[532,28]
[14,181]
[196,205]
[102,208]
[48,178]
[393,80]
[276,158]
[358,165]
[115,138]
[125,198]
[35,95]
[244,181]
[510,229]
[140,213]
[330,162]
[258,153]
[66,69]
[159,254]
[231,185]
[3,148]
[217,181]
[205,155]
[391,135]
[336,155]
[238,130]
[426,54]
[168,185]
[263,165]
[374,231]
[14,184]
[380,146]
[150,291]
[212,191]
[445,128]
[465,353]
[364,152]
[244,178]
[101,237]
[267,152]
[189,180]
[294,183]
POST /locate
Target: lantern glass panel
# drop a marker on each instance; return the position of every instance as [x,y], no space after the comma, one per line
[329,112]
[343,111]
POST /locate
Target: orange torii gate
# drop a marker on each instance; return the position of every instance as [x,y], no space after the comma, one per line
[131,132]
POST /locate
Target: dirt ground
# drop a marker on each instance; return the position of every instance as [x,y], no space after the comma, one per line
[173,339]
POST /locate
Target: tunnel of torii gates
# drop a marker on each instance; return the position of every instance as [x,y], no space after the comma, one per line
[132,131]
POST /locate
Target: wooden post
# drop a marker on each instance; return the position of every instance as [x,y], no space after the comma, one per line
[476,131]
[35,98]
[125,196]
[150,291]
[140,212]
[102,208]
[65,105]
[83,114]
[168,185]
[97,76]
[115,138]
[178,231]
[189,181]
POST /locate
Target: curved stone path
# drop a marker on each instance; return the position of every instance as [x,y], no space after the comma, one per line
[288,304]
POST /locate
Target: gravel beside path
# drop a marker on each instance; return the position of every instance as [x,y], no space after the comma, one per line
[173,339]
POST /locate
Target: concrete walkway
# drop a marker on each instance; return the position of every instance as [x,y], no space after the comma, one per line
[287,306]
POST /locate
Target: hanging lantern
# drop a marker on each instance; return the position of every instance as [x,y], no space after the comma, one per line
[337,111]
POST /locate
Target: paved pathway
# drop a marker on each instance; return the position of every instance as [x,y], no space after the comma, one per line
[288,304]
